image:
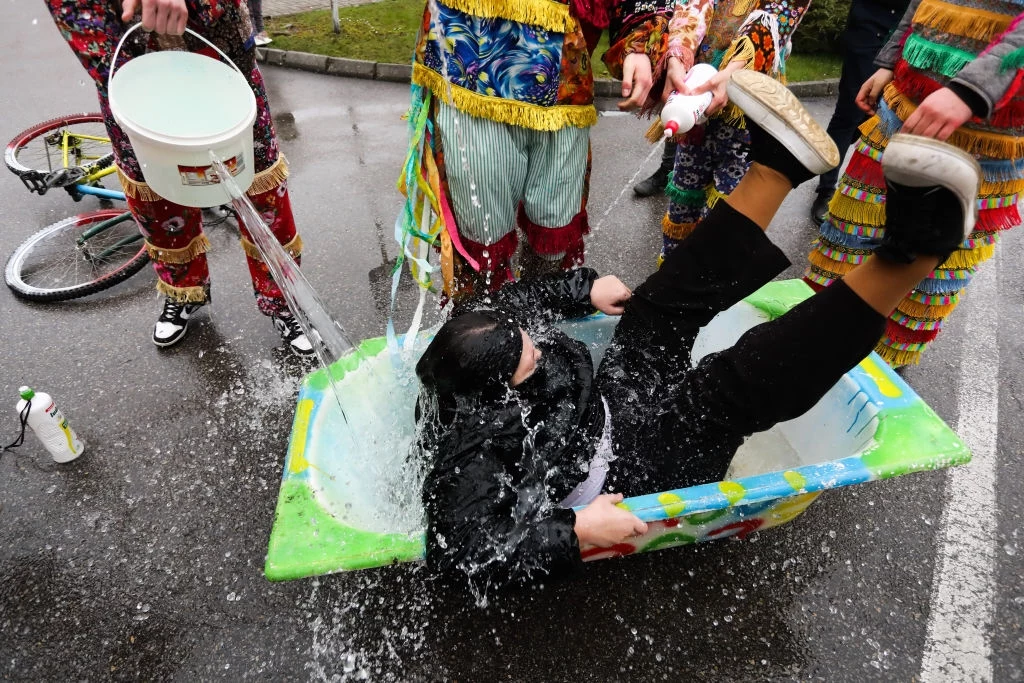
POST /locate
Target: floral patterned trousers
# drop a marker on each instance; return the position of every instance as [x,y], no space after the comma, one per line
[174,233]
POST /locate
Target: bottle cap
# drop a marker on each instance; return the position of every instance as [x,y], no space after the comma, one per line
[26,393]
[670,128]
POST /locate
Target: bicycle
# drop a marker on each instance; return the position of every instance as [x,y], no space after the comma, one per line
[91,251]
[85,253]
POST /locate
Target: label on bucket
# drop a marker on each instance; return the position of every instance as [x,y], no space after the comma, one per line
[198,176]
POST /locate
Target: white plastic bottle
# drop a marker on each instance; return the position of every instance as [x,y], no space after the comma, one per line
[683,112]
[50,425]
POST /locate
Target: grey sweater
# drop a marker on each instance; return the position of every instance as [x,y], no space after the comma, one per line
[982,82]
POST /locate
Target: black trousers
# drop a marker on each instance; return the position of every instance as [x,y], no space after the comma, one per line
[675,425]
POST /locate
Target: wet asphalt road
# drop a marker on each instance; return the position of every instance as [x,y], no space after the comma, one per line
[143,558]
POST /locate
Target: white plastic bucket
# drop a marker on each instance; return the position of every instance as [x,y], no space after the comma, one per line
[176,108]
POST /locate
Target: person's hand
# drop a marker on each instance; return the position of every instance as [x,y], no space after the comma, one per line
[609,295]
[636,81]
[675,77]
[163,16]
[939,115]
[867,97]
[716,85]
[604,524]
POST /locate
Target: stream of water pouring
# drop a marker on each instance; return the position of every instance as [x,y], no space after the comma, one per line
[330,341]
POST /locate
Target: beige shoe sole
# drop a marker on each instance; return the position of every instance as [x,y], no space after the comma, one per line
[918,161]
[774,108]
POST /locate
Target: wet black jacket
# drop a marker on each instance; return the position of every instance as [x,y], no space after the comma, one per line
[498,467]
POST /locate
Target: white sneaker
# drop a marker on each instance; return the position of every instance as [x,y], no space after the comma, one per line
[776,110]
[291,331]
[920,162]
[262,39]
[173,322]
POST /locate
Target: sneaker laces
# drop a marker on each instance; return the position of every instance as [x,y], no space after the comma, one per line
[292,325]
[172,309]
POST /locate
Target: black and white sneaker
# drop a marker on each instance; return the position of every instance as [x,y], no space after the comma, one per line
[783,134]
[291,332]
[173,322]
[931,198]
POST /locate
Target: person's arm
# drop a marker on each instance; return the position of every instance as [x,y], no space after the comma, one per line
[638,41]
[162,16]
[477,524]
[890,52]
[980,89]
[569,294]
[985,83]
[686,31]
[761,44]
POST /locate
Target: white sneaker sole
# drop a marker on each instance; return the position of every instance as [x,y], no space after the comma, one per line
[918,161]
[774,108]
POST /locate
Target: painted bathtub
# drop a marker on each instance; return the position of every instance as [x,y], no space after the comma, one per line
[349,500]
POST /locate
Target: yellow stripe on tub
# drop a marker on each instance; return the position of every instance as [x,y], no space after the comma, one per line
[672,503]
[297,462]
[795,479]
[732,491]
[885,385]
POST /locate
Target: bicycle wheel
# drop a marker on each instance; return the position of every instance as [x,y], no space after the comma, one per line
[52,266]
[39,148]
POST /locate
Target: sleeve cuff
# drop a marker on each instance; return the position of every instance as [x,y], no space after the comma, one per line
[979,105]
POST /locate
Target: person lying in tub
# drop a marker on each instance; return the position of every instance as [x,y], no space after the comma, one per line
[517,430]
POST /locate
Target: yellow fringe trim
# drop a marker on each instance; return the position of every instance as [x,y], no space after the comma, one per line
[656,133]
[269,178]
[553,16]
[294,248]
[837,268]
[714,196]
[918,310]
[199,245]
[676,231]
[136,189]
[741,48]
[855,211]
[969,22]
[732,115]
[1003,187]
[185,295]
[972,141]
[264,181]
[897,358]
[968,258]
[512,112]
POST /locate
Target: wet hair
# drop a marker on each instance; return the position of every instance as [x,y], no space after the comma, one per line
[474,352]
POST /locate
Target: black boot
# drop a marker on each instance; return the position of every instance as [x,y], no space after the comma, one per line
[819,209]
[656,183]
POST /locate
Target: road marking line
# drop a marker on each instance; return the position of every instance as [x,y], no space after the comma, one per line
[629,183]
[957,644]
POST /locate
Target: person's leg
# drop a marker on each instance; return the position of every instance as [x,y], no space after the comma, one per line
[484,165]
[727,257]
[778,370]
[553,214]
[858,65]
[686,189]
[656,182]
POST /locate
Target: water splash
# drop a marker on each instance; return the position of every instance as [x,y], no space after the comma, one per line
[329,340]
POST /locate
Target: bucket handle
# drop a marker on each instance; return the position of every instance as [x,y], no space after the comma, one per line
[120,44]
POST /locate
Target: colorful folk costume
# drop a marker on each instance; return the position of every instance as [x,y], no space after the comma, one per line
[712,158]
[976,48]
[174,233]
[499,128]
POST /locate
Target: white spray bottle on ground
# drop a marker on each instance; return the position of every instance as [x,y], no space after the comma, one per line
[683,112]
[50,425]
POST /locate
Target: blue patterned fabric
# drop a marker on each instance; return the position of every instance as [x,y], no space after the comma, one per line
[498,57]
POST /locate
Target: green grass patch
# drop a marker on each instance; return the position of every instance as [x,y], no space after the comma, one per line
[385,31]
